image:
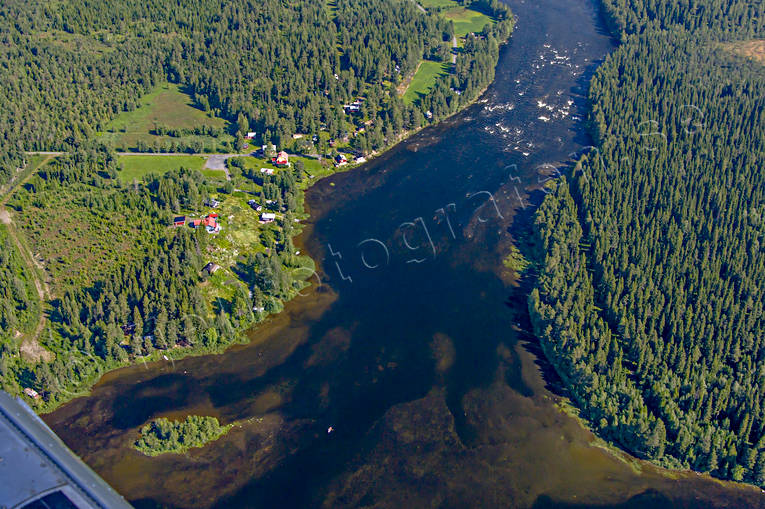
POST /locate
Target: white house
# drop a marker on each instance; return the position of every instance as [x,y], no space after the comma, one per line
[267,217]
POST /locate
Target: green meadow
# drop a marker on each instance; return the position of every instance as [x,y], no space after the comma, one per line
[424,79]
[168,107]
[138,166]
[467,20]
[437,4]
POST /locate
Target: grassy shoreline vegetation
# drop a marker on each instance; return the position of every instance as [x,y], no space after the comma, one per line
[648,302]
[163,436]
[118,282]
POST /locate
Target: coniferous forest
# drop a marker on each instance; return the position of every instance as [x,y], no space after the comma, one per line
[650,298]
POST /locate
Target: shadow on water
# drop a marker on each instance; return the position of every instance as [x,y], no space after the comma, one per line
[649,499]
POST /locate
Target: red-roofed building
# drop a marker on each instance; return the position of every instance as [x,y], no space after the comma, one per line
[281,159]
[211,223]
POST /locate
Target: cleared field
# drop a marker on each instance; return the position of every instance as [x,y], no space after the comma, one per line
[166,107]
[424,79]
[138,166]
[754,49]
[467,20]
[34,161]
[214,174]
[438,4]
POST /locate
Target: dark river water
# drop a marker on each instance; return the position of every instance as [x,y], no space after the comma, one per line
[412,344]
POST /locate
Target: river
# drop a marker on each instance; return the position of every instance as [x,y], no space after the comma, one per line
[413,342]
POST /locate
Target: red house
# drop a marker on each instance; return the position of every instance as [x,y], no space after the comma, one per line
[179,221]
[281,159]
[211,223]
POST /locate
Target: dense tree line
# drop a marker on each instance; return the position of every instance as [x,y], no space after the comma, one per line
[708,18]
[162,435]
[269,66]
[650,301]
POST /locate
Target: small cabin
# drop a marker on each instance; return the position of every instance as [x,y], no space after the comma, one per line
[267,171]
[211,268]
[250,135]
[31,393]
[267,217]
[179,221]
[212,203]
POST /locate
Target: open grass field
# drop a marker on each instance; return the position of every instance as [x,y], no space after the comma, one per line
[754,49]
[438,4]
[467,20]
[138,166]
[166,106]
[218,175]
[35,161]
[424,79]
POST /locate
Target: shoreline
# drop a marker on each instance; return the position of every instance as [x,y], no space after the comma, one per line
[243,336]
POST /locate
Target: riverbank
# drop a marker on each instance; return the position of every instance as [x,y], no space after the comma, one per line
[99,369]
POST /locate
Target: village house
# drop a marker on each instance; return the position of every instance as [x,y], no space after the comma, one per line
[267,217]
[179,221]
[31,393]
[212,202]
[251,135]
[354,107]
[255,205]
[340,160]
[210,223]
[281,159]
[267,171]
[211,268]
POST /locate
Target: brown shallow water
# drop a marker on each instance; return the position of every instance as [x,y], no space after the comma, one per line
[414,347]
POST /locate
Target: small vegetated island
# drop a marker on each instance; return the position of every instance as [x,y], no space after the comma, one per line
[650,299]
[162,436]
[186,133]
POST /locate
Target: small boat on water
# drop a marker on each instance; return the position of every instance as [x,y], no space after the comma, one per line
[330,430]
